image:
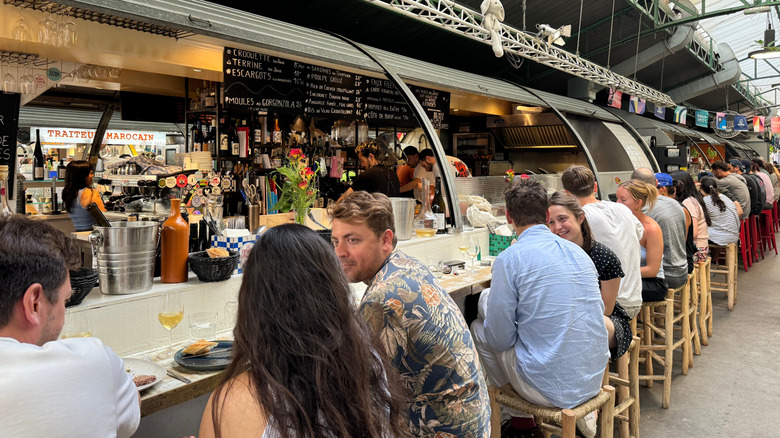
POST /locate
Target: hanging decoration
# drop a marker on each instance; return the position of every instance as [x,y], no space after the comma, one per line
[493,11]
[702,118]
[636,105]
[740,123]
[681,115]
[660,112]
[615,98]
[720,121]
[758,123]
[775,125]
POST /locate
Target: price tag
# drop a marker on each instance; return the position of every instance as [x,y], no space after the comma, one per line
[170,182]
[181,181]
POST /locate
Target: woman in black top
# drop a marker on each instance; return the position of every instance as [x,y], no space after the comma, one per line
[567,220]
[377,178]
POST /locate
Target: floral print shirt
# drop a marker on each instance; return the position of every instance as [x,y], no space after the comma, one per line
[428,341]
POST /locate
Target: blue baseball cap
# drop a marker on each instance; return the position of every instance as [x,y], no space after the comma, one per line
[747,165]
[737,163]
[664,179]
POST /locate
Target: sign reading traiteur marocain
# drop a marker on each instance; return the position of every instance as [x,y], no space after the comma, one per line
[51,136]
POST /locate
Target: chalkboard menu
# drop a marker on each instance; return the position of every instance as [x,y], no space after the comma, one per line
[257,82]
[9,117]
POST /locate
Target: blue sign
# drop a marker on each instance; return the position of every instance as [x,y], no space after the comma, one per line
[740,123]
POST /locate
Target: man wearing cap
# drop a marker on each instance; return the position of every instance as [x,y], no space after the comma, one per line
[733,188]
[671,218]
[753,184]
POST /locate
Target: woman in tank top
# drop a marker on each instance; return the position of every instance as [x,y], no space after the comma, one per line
[635,195]
[78,194]
[304,363]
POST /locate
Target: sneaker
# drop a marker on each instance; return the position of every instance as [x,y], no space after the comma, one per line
[587,425]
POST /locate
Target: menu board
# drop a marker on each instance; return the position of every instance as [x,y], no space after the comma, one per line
[257,82]
[9,117]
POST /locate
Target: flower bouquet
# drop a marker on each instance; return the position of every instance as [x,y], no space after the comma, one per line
[297,192]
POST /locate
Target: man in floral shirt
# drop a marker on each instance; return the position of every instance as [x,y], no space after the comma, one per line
[423,331]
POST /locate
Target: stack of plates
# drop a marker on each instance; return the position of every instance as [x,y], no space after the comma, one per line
[201,160]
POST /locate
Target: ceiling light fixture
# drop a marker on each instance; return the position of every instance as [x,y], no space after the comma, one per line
[554,35]
[197,70]
[769,51]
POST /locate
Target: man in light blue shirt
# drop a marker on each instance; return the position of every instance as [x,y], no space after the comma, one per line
[541,326]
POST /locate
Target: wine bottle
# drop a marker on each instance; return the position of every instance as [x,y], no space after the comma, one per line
[61,170]
[174,247]
[438,208]
[235,145]
[224,143]
[38,161]
[197,137]
[211,140]
[276,135]
[97,215]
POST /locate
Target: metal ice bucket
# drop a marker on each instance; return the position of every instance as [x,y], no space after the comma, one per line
[403,215]
[125,254]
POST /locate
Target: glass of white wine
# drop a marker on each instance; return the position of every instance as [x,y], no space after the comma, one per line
[76,326]
[473,251]
[170,314]
[463,246]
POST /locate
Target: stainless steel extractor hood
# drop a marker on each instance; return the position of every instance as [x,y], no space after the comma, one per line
[531,131]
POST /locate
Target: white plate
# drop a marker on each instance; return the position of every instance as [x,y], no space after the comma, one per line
[140,367]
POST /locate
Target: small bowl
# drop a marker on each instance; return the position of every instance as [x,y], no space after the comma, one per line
[425,232]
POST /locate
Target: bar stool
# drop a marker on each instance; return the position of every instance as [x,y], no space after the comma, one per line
[705,298]
[683,315]
[775,216]
[768,230]
[744,244]
[549,419]
[626,379]
[729,285]
[693,312]
[755,239]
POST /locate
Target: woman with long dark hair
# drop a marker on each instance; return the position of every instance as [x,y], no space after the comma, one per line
[568,221]
[78,193]
[304,363]
[723,211]
[693,201]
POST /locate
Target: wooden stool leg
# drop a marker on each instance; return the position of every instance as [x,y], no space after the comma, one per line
[633,379]
[703,307]
[694,309]
[647,335]
[623,392]
[687,359]
[669,354]
[569,423]
[495,412]
[607,415]
[731,280]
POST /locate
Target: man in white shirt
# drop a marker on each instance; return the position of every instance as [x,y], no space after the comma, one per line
[70,388]
[612,225]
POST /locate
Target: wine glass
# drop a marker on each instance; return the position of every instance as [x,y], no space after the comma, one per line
[67,31]
[9,80]
[21,30]
[26,81]
[463,246]
[47,29]
[76,326]
[170,314]
[473,252]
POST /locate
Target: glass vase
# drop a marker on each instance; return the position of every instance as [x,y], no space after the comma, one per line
[300,215]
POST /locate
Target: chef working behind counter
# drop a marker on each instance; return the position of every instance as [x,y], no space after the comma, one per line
[377,178]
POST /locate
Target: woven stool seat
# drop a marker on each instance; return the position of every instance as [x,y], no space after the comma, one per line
[548,418]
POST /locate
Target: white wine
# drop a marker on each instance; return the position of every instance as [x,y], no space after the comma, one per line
[463,249]
[170,320]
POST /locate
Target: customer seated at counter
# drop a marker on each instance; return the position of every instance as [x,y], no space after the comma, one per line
[72,387]
[421,328]
[542,326]
[304,363]
[78,193]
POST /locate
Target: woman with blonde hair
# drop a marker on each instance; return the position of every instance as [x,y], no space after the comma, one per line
[636,195]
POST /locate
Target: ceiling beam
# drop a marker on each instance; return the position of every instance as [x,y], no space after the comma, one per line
[718,13]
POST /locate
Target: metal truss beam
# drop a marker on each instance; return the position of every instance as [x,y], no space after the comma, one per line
[466,22]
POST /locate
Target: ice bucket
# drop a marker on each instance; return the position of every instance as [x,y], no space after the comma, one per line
[124,254]
[403,214]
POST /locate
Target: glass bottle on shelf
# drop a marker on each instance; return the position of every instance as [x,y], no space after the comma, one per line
[38,160]
[174,247]
[438,208]
[276,134]
[209,95]
[235,145]
[211,141]
[61,169]
[224,143]
[5,209]
[197,137]
[425,221]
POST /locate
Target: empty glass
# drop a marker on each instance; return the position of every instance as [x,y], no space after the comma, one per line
[9,79]
[76,326]
[26,84]
[67,31]
[21,30]
[47,30]
[203,325]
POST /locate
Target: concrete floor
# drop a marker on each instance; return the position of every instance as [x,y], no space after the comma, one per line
[733,389]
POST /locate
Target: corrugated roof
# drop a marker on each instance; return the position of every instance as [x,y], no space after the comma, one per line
[66,118]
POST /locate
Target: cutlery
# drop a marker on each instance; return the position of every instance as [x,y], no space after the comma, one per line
[177,376]
[208,353]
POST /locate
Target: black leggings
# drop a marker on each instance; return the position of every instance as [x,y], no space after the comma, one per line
[654,289]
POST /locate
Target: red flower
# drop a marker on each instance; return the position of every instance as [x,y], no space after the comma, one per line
[296,154]
[303,184]
[524,176]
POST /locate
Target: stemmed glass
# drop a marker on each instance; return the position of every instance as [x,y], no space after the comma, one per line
[47,30]
[170,315]
[463,246]
[473,251]
[26,84]
[9,80]
[67,31]
[21,30]
[76,326]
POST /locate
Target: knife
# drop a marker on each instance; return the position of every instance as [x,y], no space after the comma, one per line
[177,376]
